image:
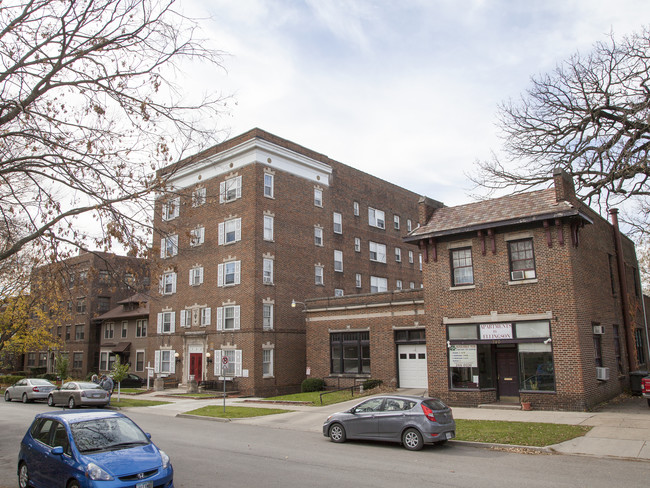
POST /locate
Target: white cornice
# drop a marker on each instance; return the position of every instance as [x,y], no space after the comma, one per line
[498,317]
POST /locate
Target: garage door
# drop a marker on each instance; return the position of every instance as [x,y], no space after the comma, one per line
[412,363]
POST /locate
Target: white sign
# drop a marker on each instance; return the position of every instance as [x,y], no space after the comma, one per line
[463,356]
[496,331]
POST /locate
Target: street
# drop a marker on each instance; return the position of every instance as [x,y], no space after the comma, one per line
[232,454]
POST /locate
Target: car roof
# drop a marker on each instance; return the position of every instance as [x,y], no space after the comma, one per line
[74,416]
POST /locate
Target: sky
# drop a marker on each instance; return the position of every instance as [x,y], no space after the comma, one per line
[405,90]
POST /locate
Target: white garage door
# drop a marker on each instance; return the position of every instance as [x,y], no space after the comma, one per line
[412,363]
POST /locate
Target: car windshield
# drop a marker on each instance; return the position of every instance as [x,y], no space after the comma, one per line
[41,382]
[89,386]
[107,434]
[435,404]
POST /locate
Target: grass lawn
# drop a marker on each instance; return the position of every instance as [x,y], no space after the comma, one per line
[328,399]
[132,402]
[234,412]
[517,433]
[130,390]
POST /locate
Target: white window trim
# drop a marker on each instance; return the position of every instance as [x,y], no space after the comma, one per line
[272,307]
[221,276]
[268,218]
[374,220]
[221,317]
[318,234]
[337,219]
[199,197]
[318,202]
[270,362]
[172,283]
[174,205]
[173,241]
[272,186]
[196,276]
[357,244]
[205,316]
[338,253]
[158,361]
[267,266]
[377,279]
[144,357]
[234,182]
[172,322]
[197,236]
[380,257]
[224,230]
[320,275]
[398,255]
[237,362]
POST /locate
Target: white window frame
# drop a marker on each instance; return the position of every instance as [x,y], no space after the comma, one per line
[141,325]
[234,361]
[205,316]
[196,276]
[230,189]
[168,283]
[269,185]
[357,244]
[318,236]
[165,357]
[197,236]
[319,278]
[135,366]
[267,316]
[398,255]
[103,361]
[268,224]
[338,261]
[169,246]
[171,209]
[318,197]
[410,257]
[412,285]
[109,330]
[186,318]
[267,271]
[396,222]
[376,218]
[124,333]
[357,280]
[198,197]
[164,318]
[267,363]
[409,225]
[228,312]
[398,285]
[338,292]
[337,219]
[377,252]
[227,227]
[355,206]
[226,269]
[378,284]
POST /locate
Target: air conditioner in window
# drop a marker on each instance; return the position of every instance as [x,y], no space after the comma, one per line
[267,280]
[517,275]
[602,374]
[599,329]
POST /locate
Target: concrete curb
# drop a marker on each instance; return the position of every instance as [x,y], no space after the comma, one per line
[203,417]
[509,447]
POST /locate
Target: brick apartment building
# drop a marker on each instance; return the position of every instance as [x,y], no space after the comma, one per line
[79,290]
[527,298]
[253,224]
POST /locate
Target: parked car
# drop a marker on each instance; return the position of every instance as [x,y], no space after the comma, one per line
[93,448]
[29,389]
[78,393]
[645,388]
[410,420]
[132,381]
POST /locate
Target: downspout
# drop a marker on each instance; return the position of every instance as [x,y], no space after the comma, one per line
[620,265]
[645,322]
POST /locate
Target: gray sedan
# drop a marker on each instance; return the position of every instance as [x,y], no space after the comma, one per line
[29,389]
[78,393]
[410,420]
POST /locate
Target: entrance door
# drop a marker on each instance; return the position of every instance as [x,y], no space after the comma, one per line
[507,370]
[196,365]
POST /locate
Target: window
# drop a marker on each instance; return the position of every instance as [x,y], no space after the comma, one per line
[598,349]
[77,360]
[398,255]
[229,274]
[205,314]
[129,279]
[234,365]
[338,292]
[168,283]
[420,261]
[617,348]
[198,197]
[355,207]
[268,228]
[197,236]
[522,260]
[31,359]
[78,332]
[103,304]
[164,361]
[104,276]
[267,316]
[166,322]
[318,236]
[536,370]
[376,218]
[230,190]
[171,209]
[610,261]
[141,327]
[461,267]
[377,252]
[318,271]
[42,359]
[186,318]
[67,332]
[267,278]
[125,329]
[412,285]
[338,261]
[357,280]
[139,361]
[378,284]
[640,350]
[81,305]
[338,223]
[318,197]
[396,222]
[229,231]
[350,352]
[267,362]
[109,330]
[268,185]
[169,246]
[357,244]
[411,257]
[196,276]
[228,317]
[477,374]
[398,285]
[409,227]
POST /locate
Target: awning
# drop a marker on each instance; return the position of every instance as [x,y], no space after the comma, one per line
[122,347]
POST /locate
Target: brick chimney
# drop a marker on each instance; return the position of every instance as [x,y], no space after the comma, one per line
[426,207]
[564,189]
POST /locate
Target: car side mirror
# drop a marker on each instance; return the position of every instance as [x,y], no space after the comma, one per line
[148,435]
[58,450]
[353,410]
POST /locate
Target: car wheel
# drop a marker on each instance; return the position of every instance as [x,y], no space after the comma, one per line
[25,399]
[412,440]
[7,396]
[23,476]
[71,403]
[50,400]
[337,433]
[74,484]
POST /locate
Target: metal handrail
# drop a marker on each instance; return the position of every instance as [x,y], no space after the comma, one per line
[351,388]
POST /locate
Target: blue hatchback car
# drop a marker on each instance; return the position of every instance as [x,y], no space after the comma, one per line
[92,448]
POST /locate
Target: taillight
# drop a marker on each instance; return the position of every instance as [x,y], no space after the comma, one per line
[34,388]
[645,385]
[428,413]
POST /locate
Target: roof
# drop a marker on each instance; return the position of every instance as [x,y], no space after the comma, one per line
[72,416]
[122,311]
[498,212]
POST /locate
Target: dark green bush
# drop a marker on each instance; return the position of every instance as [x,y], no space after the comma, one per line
[10,379]
[34,372]
[370,384]
[312,384]
[48,376]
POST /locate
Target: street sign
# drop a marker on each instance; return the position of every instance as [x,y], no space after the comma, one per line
[224,360]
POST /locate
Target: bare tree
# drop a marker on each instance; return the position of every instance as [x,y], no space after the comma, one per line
[91,106]
[591,117]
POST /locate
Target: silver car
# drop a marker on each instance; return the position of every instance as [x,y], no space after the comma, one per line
[29,389]
[410,420]
[78,393]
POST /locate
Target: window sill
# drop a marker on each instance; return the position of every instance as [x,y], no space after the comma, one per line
[268,376]
[462,287]
[522,282]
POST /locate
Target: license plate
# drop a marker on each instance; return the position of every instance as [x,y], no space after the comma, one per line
[97,395]
[450,435]
[144,484]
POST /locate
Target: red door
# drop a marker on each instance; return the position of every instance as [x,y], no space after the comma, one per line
[196,365]
[508,375]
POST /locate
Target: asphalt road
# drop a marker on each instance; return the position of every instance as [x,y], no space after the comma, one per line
[217,454]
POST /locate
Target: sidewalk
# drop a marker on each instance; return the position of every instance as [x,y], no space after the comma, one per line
[620,430]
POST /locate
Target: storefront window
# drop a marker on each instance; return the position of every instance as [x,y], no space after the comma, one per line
[532,329]
[459,332]
[350,352]
[470,366]
[536,370]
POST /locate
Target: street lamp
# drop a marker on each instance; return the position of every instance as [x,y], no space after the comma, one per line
[208,357]
[178,357]
[293,305]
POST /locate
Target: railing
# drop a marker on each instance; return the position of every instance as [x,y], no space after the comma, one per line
[351,388]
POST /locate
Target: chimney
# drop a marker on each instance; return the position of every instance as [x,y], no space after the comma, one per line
[564,189]
[426,207]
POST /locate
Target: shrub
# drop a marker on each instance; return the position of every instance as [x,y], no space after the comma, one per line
[312,384]
[49,376]
[370,384]
[10,379]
